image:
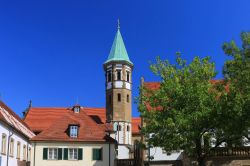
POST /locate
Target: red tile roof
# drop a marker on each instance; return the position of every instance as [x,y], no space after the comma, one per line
[136,123]
[89,130]
[152,85]
[39,119]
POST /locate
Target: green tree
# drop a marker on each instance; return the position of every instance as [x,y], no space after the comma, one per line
[181,114]
[235,102]
[192,113]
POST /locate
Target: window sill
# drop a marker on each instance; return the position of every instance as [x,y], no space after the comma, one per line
[11,155]
[3,153]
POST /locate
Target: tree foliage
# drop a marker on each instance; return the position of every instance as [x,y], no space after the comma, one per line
[192,113]
[182,112]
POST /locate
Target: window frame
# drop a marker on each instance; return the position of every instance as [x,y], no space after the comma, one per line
[118,127]
[24,153]
[128,76]
[74,154]
[29,153]
[119,97]
[53,156]
[4,142]
[11,150]
[128,128]
[109,76]
[128,98]
[73,131]
[18,151]
[76,109]
[118,74]
[100,150]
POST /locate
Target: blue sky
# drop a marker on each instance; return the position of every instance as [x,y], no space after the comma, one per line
[52,51]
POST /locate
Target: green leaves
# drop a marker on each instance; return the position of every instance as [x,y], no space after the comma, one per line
[193,113]
[182,109]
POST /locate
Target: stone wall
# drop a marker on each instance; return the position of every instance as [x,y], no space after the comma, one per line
[228,161]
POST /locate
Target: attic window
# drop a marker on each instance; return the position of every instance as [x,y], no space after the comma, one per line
[73,131]
[76,109]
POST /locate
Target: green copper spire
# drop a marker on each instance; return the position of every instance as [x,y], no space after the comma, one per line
[118,51]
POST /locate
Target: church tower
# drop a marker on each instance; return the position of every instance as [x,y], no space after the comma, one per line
[118,70]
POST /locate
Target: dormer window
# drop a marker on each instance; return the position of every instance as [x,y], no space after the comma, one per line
[73,131]
[76,109]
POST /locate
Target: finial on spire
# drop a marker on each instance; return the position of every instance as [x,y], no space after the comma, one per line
[30,103]
[118,24]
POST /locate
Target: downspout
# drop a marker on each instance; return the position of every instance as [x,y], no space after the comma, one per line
[8,147]
[109,153]
[34,156]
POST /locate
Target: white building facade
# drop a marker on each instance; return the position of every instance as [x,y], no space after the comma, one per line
[14,138]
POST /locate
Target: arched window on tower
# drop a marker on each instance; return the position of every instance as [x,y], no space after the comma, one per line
[128,128]
[119,97]
[128,98]
[128,76]
[109,76]
[119,74]
[119,128]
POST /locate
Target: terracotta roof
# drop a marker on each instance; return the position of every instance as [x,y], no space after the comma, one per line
[89,130]
[97,114]
[11,118]
[136,123]
[152,85]
[39,119]
[156,85]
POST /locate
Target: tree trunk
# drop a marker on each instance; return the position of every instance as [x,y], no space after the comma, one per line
[200,157]
[201,161]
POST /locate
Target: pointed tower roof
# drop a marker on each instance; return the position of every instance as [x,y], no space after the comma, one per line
[118,51]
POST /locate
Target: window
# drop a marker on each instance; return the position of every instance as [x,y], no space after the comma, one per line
[52,153]
[119,72]
[97,154]
[128,98]
[109,76]
[128,76]
[18,150]
[119,128]
[73,131]
[73,154]
[3,150]
[24,152]
[29,154]
[128,128]
[118,97]
[76,109]
[11,151]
